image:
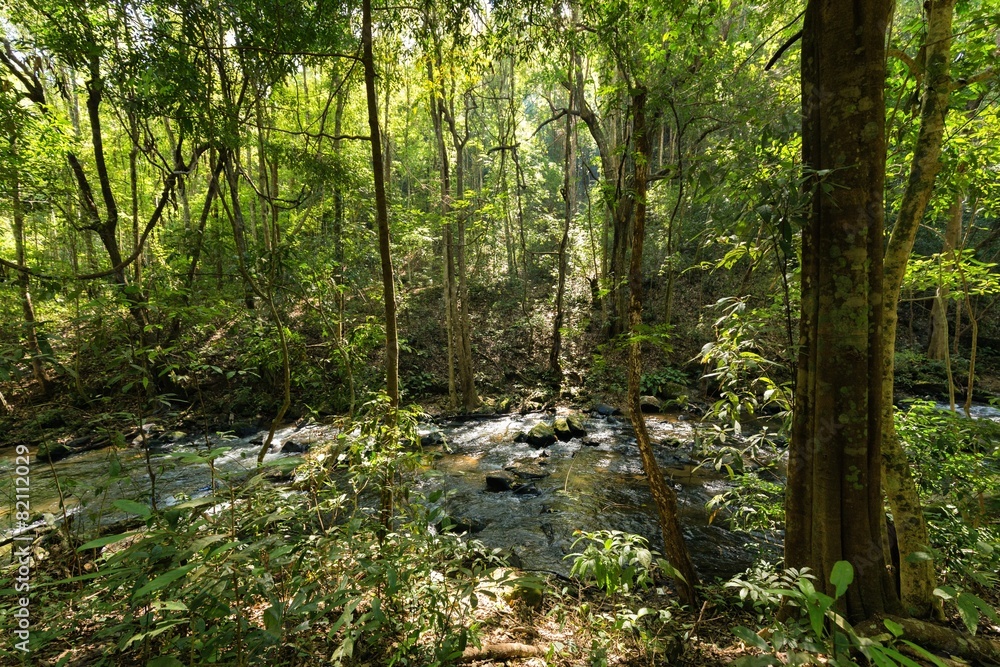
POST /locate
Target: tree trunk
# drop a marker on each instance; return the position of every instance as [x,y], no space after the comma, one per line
[834,495]
[568,185]
[470,399]
[23,283]
[663,494]
[381,213]
[338,213]
[917,578]
[938,347]
[239,225]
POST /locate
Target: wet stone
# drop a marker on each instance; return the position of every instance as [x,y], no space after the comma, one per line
[432,438]
[576,427]
[527,470]
[540,435]
[561,428]
[650,404]
[294,447]
[500,480]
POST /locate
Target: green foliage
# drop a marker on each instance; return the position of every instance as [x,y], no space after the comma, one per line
[743,375]
[617,562]
[261,574]
[914,372]
[970,607]
[622,565]
[666,383]
[752,504]
[953,457]
[819,635]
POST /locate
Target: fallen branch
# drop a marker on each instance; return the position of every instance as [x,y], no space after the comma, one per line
[502,652]
[939,638]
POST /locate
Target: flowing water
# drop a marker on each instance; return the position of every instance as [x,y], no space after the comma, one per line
[589,483]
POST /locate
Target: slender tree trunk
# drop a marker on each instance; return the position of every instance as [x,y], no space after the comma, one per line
[568,196]
[470,399]
[917,577]
[938,346]
[381,214]
[834,495]
[239,224]
[338,213]
[23,284]
[663,494]
[199,242]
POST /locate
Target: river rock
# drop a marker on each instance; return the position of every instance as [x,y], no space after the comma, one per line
[433,438]
[244,429]
[540,435]
[576,428]
[650,404]
[561,429]
[527,470]
[53,453]
[459,525]
[500,480]
[294,447]
[606,410]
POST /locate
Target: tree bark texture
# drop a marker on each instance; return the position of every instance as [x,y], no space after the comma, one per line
[917,578]
[937,348]
[569,165]
[834,496]
[663,494]
[381,213]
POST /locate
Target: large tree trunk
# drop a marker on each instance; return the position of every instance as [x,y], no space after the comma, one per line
[917,578]
[381,213]
[834,495]
[663,494]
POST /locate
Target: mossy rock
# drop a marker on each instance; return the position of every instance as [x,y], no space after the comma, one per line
[576,427]
[562,430]
[650,404]
[540,435]
[53,453]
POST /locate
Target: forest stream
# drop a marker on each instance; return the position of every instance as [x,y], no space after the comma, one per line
[589,483]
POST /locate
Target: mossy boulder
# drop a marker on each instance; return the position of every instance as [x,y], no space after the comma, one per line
[53,453]
[650,404]
[575,424]
[540,435]
[561,428]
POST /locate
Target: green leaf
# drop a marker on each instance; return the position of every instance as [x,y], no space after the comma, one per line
[969,612]
[164,580]
[751,638]
[104,541]
[892,626]
[133,507]
[841,576]
[925,654]
[272,620]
